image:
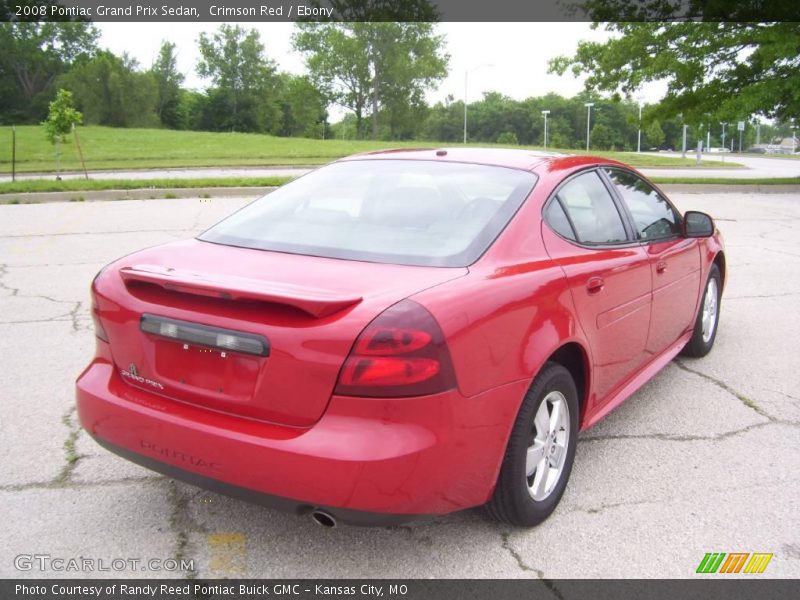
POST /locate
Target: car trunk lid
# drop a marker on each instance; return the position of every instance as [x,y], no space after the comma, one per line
[201,297]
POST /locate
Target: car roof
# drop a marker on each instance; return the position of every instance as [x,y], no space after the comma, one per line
[500,157]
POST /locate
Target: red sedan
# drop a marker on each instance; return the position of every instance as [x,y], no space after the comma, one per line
[401,333]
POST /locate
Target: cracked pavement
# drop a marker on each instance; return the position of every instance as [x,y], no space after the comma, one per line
[703,459]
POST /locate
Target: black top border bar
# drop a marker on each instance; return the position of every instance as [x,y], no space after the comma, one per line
[400,10]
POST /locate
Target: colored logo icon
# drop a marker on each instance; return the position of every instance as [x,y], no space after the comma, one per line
[734,562]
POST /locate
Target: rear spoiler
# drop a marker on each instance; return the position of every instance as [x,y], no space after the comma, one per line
[315,302]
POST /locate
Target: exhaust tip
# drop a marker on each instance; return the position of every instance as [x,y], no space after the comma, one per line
[320,517]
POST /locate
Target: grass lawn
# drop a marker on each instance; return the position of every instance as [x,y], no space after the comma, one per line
[96,185]
[106,148]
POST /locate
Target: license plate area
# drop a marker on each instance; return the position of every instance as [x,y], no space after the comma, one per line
[216,372]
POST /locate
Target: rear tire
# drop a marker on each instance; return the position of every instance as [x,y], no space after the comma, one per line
[538,459]
[706,325]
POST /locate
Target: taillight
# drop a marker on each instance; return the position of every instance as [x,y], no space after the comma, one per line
[98,326]
[402,352]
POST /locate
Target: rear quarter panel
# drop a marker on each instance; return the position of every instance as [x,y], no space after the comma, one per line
[512,311]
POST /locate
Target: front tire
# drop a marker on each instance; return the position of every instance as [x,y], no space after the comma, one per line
[540,452]
[705,327]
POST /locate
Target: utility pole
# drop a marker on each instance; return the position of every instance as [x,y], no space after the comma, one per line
[466,80]
[741,129]
[683,150]
[588,106]
[545,113]
[723,141]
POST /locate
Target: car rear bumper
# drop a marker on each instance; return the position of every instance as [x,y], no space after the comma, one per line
[365,461]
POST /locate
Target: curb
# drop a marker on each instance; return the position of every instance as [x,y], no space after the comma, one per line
[139,194]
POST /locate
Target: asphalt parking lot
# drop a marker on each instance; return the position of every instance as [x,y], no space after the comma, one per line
[704,459]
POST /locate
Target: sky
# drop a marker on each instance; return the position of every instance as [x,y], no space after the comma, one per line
[510,58]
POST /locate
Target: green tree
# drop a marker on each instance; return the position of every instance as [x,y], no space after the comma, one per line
[191,108]
[654,134]
[727,69]
[168,82]
[110,90]
[61,117]
[602,136]
[32,56]
[373,67]
[244,96]
[508,138]
[444,121]
[303,107]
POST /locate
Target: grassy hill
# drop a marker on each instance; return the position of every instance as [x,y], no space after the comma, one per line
[106,148]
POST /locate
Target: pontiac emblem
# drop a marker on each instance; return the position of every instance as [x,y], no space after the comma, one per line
[133,370]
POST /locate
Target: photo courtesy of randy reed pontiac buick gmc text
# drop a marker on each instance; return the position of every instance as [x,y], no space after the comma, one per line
[200,590]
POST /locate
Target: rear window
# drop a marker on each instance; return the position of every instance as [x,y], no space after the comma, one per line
[392,211]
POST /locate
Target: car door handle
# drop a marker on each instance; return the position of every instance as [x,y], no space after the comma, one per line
[661,266]
[595,285]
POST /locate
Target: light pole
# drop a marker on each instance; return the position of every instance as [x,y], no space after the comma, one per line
[466,80]
[639,137]
[683,145]
[794,139]
[545,113]
[723,141]
[588,106]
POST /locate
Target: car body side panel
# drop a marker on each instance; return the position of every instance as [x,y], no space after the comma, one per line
[675,267]
[615,317]
[493,342]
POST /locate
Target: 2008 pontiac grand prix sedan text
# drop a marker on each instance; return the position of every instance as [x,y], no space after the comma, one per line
[401,333]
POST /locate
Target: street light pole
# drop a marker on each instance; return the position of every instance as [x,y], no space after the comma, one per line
[723,141]
[545,113]
[588,106]
[683,145]
[466,79]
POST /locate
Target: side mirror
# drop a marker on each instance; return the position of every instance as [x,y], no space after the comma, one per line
[697,224]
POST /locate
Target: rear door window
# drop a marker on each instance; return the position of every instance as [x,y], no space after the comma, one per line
[592,210]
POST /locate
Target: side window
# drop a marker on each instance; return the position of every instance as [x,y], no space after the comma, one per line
[557,219]
[591,210]
[653,217]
